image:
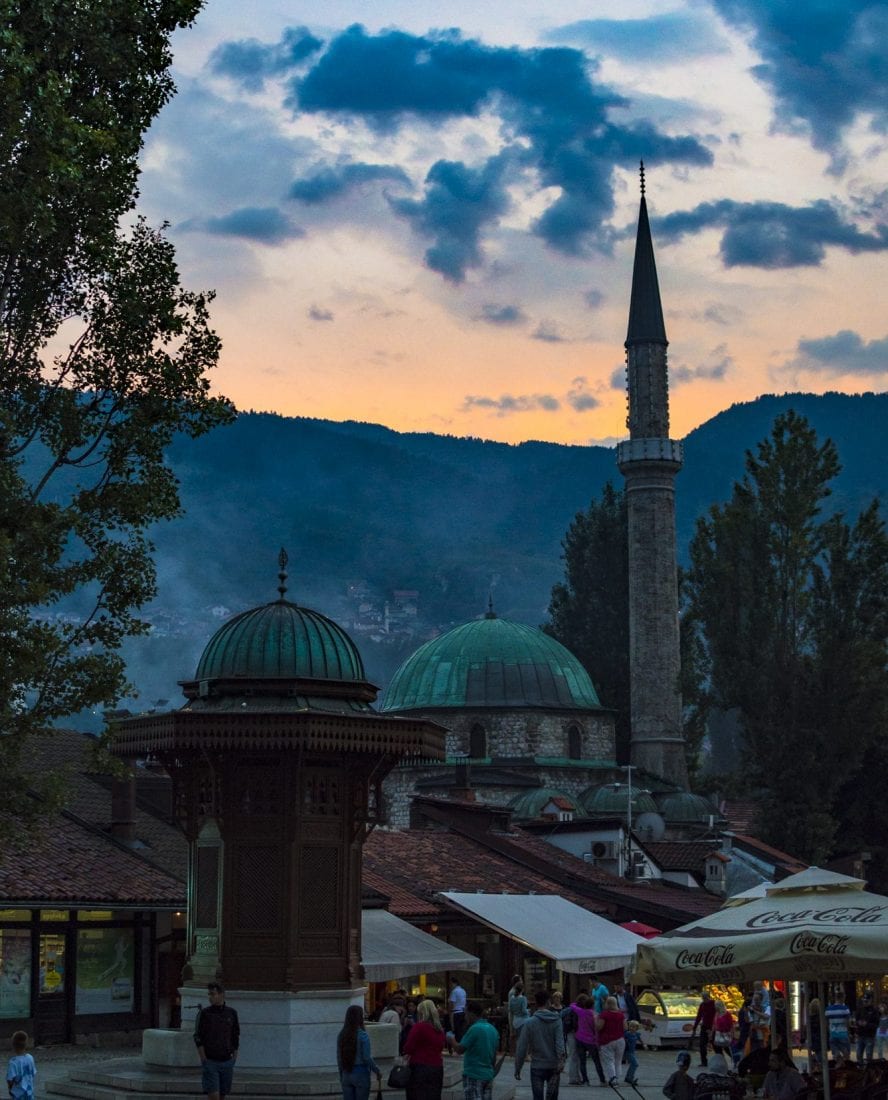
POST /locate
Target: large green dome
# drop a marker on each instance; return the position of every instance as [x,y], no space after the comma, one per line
[280,641]
[491,662]
[612,800]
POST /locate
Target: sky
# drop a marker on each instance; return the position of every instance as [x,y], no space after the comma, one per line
[423,215]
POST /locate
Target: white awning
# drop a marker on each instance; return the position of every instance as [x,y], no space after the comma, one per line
[392,948]
[580,942]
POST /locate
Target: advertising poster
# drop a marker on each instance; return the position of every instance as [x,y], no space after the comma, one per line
[15,972]
[105,970]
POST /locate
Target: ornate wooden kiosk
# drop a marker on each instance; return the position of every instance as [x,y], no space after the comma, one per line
[277,760]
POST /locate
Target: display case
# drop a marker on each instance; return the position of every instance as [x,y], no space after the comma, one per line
[667,1016]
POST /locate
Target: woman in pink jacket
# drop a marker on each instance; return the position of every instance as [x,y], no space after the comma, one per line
[587,1037]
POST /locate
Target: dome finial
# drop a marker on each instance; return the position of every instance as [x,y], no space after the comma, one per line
[282,575]
[641,173]
[491,614]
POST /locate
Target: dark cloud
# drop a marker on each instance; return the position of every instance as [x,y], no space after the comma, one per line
[326,182]
[318,314]
[824,61]
[508,404]
[251,62]
[593,298]
[579,398]
[772,234]
[845,352]
[501,314]
[265,224]
[548,333]
[617,379]
[715,369]
[459,203]
[548,98]
[672,36]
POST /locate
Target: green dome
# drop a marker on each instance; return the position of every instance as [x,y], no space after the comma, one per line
[280,641]
[611,800]
[491,662]
[529,805]
[683,807]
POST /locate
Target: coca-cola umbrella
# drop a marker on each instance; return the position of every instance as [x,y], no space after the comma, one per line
[813,926]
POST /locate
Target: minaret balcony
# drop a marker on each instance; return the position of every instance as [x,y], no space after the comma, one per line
[669,451]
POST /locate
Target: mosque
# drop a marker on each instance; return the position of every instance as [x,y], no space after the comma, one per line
[525,727]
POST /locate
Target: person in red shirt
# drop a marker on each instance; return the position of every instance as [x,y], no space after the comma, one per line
[610,1024]
[705,1020]
[424,1048]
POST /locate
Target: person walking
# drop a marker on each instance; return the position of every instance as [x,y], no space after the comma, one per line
[610,1024]
[424,1049]
[633,1038]
[598,991]
[21,1069]
[353,1057]
[518,1011]
[704,1020]
[456,1003]
[866,1021]
[723,1031]
[626,1001]
[478,1047]
[680,1085]
[217,1038]
[569,1027]
[542,1039]
[587,1038]
[838,1019]
[882,1031]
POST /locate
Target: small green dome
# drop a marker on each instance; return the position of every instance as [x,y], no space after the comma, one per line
[683,807]
[280,641]
[491,662]
[612,800]
[529,805]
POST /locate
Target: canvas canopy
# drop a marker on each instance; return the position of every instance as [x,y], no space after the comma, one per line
[392,948]
[580,942]
[813,926]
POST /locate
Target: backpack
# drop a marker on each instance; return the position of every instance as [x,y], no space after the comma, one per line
[569,1021]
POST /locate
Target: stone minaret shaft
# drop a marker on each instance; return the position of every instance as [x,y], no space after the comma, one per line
[649,461]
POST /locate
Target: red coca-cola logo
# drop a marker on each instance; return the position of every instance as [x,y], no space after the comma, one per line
[810,943]
[719,954]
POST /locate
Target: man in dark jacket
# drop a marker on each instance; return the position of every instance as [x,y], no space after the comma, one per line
[542,1039]
[217,1037]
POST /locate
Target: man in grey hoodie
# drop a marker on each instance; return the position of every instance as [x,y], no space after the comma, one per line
[542,1037]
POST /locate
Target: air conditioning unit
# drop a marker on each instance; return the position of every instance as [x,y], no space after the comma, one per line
[639,864]
[604,849]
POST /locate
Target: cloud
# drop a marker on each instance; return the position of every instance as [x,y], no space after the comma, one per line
[548,333]
[327,182]
[547,100]
[507,404]
[715,369]
[672,36]
[845,352]
[824,62]
[617,380]
[593,298]
[501,314]
[579,398]
[772,234]
[251,62]
[264,224]
[315,313]
[459,203]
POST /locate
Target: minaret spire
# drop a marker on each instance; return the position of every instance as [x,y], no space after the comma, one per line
[649,461]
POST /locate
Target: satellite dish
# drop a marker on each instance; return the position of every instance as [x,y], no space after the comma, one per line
[650,826]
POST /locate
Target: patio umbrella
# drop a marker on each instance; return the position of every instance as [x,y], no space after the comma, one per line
[813,926]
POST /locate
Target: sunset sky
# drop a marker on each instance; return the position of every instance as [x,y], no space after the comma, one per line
[423,215]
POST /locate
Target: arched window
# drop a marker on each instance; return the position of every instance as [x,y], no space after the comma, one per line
[575,743]
[477,742]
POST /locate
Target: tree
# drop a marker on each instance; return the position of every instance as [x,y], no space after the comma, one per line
[589,610]
[791,611]
[103,355]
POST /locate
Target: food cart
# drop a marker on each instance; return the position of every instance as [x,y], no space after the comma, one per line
[667,1017]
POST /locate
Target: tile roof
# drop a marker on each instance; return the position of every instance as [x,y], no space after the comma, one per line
[680,855]
[781,860]
[740,814]
[67,863]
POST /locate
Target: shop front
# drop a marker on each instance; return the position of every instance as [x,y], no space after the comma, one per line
[79,971]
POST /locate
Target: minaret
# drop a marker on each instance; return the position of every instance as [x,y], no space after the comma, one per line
[649,461]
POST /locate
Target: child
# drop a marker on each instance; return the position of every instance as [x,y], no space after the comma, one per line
[680,1085]
[21,1071]
[633,1038]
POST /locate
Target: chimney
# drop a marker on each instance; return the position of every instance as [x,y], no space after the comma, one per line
[462,782]
[123,809]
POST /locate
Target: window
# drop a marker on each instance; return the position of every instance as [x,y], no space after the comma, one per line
[477,742]
[575,743]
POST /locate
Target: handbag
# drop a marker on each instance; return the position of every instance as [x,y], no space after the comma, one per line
[399,1077]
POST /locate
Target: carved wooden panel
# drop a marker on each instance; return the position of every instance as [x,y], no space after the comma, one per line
[320,890]
[257,888]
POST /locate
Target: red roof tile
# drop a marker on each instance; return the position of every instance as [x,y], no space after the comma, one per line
[679,855]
